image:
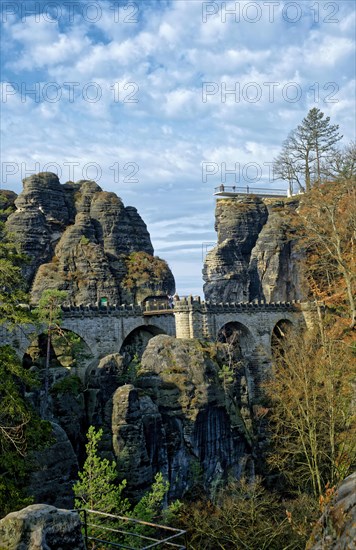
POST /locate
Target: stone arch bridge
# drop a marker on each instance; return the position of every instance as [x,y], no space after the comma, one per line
[257,320]
[105,329]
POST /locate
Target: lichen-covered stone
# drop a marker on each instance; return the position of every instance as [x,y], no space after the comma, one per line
[40,218]
[256,256]
[275,263]
[139,439]
[238,224]
[102,381]
[68,409]
[41,527]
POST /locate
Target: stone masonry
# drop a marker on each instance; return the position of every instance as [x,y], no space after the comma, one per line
[198,319]
[104,330]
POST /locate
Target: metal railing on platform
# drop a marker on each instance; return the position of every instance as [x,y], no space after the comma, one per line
[229,190]
[102,531]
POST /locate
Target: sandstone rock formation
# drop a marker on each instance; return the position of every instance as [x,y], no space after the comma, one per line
[336,529]
[41,527]
[255,257]
[102,381]
[78,238]
[170,413]
[178,420]
[55,472]
[138,438]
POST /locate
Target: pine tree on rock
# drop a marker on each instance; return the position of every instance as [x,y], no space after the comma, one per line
[300,161]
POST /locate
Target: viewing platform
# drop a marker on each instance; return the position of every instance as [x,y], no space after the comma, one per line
[227,191]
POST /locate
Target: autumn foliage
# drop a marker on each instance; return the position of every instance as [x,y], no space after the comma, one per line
[326,226]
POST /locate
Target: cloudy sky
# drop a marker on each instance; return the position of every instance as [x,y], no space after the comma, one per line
[157,99]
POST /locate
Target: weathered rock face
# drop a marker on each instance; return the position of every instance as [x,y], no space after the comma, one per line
[179,421]
[336,529]
[138,438]
[174,415]
[41,216]
[102,382]
[41,527]
[67,407]
[77,238]
[56,471]
[274,269]
[256,257]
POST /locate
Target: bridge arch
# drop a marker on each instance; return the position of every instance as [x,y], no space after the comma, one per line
[282,328]
[79,330]
[68,353]
[237,334]
[136,341]
[281,332]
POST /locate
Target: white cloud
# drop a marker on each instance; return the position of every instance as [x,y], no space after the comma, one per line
[43,44]
[180,102]
[168,32]
[324,51]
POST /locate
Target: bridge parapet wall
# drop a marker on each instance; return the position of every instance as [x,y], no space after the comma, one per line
[103,329]
[93,310]
[191,303]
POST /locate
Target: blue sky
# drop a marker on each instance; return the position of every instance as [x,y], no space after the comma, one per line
[135,95]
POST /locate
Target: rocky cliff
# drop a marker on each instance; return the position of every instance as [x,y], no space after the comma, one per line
[177,418]
[173,412]
[56,470]
[79,238]
[255,256]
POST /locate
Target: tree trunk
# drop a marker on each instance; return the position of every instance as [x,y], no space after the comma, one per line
[307,173]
